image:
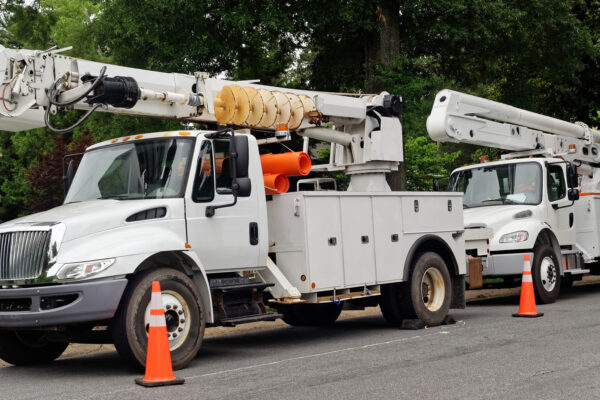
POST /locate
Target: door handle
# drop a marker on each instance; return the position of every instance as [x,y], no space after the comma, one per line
[253,233]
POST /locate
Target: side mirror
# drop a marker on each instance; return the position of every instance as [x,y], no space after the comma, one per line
[238,163]
[573,194]
[238,148]
[244,186]
[572,178]
[68,176]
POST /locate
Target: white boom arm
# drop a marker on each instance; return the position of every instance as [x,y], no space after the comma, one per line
[37,84]
[460,117]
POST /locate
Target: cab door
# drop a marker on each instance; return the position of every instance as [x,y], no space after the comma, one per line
[226,240]
[560,211]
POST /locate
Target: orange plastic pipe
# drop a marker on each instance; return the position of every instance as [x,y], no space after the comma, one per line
[289,164]
[276,183]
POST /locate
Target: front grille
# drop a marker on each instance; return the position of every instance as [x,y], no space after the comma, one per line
[23,255]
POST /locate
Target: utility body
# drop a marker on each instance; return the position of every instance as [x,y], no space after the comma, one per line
[188,208]
[541,199]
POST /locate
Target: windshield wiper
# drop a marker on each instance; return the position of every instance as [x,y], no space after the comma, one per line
[114,196]
[500,199]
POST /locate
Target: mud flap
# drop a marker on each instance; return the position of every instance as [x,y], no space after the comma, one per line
[458,292]
[475,273]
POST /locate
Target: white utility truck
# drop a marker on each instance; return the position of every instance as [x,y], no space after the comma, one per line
[188,208]
[530,199]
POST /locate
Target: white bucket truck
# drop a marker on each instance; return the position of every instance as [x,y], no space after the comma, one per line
[188,208]
[542,199]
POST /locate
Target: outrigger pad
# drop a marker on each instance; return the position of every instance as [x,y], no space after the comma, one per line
[415,324]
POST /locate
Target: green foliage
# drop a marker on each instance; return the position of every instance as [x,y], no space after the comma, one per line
[542,55]
[425,161]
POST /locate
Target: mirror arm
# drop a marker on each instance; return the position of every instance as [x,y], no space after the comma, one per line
[556,207]
[210,210]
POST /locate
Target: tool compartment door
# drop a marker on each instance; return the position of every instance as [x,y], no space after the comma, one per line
[358,240]
[324,241]
[389,244]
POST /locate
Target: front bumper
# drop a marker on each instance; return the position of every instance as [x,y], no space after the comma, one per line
[43,306]
[504,264]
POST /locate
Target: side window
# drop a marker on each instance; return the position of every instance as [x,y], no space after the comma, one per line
[222,168]
[556,183]
[204,181]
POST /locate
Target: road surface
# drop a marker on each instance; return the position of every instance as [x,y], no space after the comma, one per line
[486,354]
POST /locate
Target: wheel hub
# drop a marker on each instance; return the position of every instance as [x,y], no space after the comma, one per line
[433,289]
[548,274]
[177,314]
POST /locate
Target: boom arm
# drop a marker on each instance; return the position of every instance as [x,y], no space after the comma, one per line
[460,117]
[368,145]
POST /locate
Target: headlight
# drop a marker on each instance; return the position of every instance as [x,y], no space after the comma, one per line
[514,237]
[83,270]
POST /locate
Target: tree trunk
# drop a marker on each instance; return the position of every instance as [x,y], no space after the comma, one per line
[382,47]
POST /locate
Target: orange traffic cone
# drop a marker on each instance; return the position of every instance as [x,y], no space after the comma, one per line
[159,371]
[527,306]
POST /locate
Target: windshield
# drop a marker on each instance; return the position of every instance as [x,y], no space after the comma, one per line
[499,184]
[149,169]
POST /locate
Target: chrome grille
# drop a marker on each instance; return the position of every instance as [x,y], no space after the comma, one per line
[23,254]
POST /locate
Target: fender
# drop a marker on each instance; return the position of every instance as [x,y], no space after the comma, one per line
[201,281]
[427,241]
[546,235]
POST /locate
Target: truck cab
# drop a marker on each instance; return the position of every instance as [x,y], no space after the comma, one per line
[529,206]
[166,201]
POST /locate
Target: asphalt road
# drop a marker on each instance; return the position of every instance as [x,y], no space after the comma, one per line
[486,354]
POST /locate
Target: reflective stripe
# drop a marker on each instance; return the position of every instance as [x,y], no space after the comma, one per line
[527,278]
[157,321]
[527,266]
[156,301]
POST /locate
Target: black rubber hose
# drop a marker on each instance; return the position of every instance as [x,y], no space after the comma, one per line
[70,128]
[70,103]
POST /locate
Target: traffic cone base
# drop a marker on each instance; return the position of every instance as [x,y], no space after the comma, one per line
[541,314]
[159,370]
[174,381]
[527,308]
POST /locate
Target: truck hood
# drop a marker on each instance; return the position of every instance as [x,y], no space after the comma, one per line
[89,217]
[493,217]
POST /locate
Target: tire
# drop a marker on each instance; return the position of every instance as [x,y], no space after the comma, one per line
[311,314]
[427,293]
[546,274]
[185,323]
[28,348]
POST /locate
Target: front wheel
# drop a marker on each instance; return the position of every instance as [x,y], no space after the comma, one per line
[28,348]
[546,274]
[184,315]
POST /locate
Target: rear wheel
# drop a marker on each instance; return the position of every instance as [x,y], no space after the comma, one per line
[427,293]
[310,314]
[184,315]
[545,273]
[28,348]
